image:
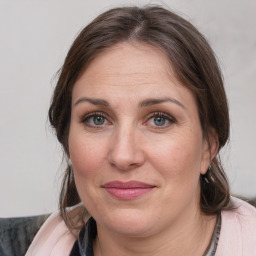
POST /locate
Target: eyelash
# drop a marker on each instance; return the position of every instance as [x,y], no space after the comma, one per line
[85,119]
[167,117]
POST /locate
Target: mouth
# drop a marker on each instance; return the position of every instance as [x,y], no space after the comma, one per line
[127,190]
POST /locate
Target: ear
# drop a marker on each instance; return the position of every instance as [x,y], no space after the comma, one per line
[210,150]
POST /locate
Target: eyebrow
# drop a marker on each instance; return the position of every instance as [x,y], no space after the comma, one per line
[150,102]
[100,102]
[144,103]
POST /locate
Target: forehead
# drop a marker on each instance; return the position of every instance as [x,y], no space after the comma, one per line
[129,69]
[121,52]
[126,60]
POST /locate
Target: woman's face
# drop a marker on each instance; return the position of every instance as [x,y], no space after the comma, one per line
[135,142]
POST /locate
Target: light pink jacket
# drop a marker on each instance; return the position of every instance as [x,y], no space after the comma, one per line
[238,231]
[237,236]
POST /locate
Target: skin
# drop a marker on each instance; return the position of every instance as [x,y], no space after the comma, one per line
[128,143]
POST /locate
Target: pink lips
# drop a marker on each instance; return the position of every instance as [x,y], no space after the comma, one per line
[127,190]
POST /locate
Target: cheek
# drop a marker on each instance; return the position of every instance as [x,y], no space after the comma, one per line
[178,157]
[87,154]
[178,164]
[88,157]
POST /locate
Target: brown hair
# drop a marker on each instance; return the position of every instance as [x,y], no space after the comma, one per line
[194,64]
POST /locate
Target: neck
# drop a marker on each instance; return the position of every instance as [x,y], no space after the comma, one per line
[190,238]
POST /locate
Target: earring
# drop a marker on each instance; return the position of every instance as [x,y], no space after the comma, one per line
[69,162]
[206,180]
[207,173]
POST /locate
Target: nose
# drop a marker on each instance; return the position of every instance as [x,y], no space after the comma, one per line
[126,149]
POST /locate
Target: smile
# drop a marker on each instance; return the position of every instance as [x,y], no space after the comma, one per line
[127,190]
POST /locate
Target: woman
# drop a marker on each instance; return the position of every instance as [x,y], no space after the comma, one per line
[141,112]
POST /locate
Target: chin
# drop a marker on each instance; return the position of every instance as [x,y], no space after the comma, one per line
[127,222]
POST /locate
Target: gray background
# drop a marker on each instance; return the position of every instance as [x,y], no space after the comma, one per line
[34,38]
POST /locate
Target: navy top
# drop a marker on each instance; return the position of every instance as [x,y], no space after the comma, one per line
[84,244]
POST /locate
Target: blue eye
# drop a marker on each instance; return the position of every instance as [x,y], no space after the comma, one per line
[95,120]
[98,120]
[160,121]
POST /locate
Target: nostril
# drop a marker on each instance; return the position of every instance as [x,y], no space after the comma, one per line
[128,161]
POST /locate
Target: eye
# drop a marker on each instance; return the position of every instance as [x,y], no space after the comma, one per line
[98,120]
[160,120]
[95,120]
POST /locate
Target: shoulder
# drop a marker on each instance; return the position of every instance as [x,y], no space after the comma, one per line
[243,214]
[16,233]
[238,230]
[53,238]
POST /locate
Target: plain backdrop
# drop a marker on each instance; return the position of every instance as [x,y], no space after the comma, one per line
[35,37]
